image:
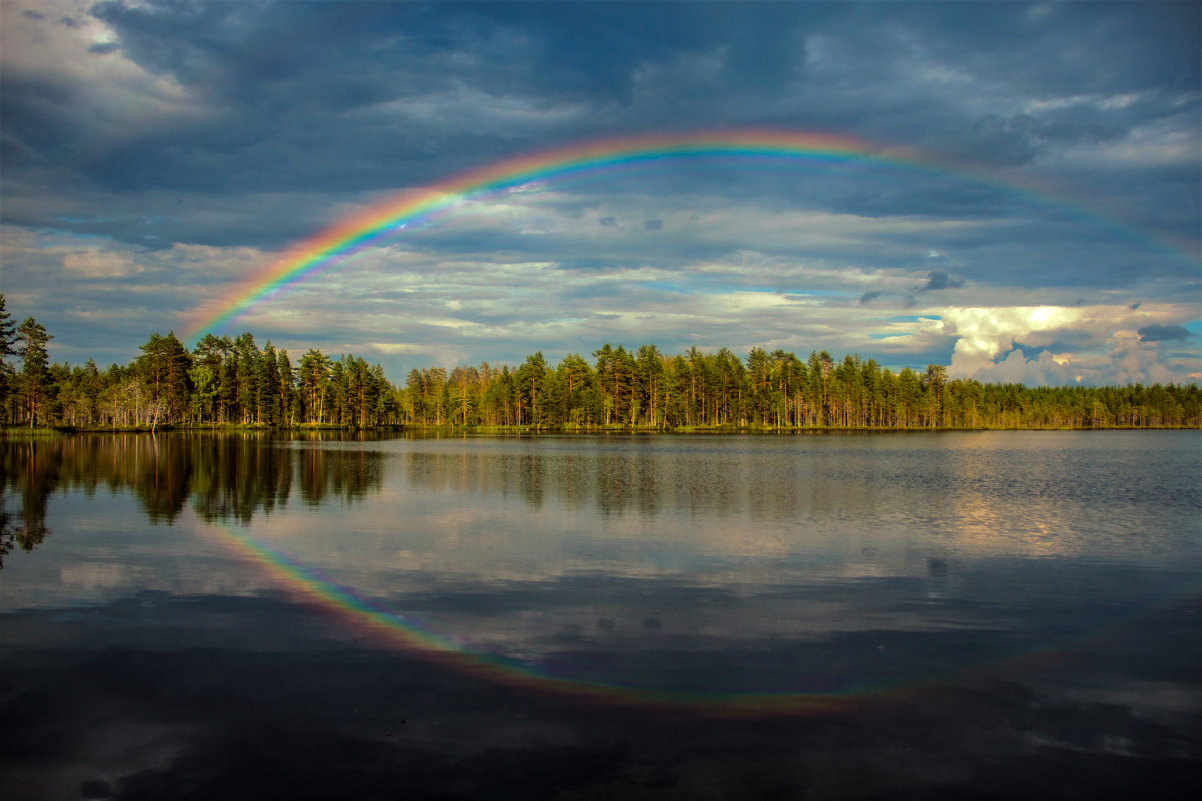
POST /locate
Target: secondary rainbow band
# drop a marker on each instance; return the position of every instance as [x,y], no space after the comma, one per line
[351,235]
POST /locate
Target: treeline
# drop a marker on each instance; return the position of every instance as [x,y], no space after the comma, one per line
[232,381]
[222,381]
[648,389]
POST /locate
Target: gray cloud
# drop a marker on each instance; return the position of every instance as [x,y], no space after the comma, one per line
[1008,141]
[937,279]
[1160,333]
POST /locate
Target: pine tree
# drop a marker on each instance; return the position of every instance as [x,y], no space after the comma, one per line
[35,374]
[8,340]
[314,373]
[287,381]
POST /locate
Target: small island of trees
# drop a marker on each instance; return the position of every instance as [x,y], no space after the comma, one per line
[226,381]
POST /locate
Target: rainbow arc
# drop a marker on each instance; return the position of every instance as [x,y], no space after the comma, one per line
[341,241]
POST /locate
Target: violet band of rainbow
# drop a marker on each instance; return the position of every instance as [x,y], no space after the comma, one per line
[349,236]
[389,629]
[345,238]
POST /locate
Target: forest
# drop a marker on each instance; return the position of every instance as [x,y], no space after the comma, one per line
[232,381]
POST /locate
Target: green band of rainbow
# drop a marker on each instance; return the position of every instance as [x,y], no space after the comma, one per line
[344,239]
[389,629]
[335,244]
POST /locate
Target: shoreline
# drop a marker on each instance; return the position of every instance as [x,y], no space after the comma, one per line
[507,430]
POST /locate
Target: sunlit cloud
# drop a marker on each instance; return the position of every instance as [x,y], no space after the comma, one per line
[1090,344]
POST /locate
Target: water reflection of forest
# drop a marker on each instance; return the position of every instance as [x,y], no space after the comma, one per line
[645,482]
[225,477]
[234,477]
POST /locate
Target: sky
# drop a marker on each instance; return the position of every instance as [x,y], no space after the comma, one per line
[1017,196]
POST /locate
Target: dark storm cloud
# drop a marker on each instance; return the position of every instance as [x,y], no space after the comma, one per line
[372,96]
[1001,141]
[937,280]
[1021,138]
[1058,89]
[1161,333]
[1144,47]
[603,50]
[280,82]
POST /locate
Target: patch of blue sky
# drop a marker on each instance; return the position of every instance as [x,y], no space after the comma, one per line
[917,361]
[668,286]
[726,288]
[101,219]
[1028,351]
[800,293]
[80,235]
[585,265]
[787,294]
[913,318]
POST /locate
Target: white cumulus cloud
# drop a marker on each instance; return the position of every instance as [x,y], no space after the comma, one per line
[1087,344]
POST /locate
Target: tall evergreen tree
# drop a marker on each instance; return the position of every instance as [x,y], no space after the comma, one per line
[268,388]
[314,379]
[287,380]
[932,381]
[165,365]
[35,373]
[246,362]
[8,340]
[531,382]
[649,397]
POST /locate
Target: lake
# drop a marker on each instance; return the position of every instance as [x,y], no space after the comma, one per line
[837,615]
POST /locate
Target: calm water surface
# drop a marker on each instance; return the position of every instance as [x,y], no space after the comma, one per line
[996,614]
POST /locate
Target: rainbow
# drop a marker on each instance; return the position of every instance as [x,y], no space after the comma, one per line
[338,243]
[387,629]
[341,241]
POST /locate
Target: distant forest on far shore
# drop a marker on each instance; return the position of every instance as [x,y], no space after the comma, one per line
[233,381]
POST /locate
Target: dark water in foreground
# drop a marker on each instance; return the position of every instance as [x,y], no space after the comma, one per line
[957,615]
